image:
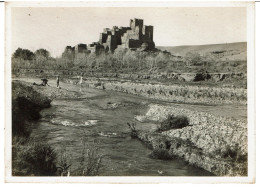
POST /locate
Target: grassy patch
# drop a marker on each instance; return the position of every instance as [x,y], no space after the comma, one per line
[90,159]
[32,158]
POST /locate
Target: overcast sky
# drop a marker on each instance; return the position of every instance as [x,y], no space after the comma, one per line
[56,28]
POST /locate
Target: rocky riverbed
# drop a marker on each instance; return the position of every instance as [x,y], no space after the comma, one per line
[217,144]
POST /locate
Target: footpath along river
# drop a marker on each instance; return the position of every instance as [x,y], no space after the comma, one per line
[101,116]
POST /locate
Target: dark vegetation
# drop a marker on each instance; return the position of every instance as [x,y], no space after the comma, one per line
[133,129]
[232,153]
[173,122]
[32,158]
[160,153]
[26,105]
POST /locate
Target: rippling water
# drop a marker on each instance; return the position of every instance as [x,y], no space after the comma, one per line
[68,121]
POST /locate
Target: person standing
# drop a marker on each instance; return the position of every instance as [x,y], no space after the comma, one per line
[58,81]
[80,82]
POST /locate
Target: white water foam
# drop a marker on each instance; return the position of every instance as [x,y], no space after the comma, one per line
[69,123]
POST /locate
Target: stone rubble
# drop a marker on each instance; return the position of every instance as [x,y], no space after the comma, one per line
[208,143]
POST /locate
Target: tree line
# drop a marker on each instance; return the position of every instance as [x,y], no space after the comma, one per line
[122,60]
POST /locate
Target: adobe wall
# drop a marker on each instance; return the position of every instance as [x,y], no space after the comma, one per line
[148,33]
[80,48]
[111,43]
[134,43]
[103,37]
[136,22]
[69,49]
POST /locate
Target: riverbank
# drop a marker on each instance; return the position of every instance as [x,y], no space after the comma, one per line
[26,106]
[216,144]
[33,156]
[237,79]
[191,94]
[30,157]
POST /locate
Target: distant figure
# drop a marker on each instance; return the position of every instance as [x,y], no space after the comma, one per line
[44,82]
[80,80]
[58,81]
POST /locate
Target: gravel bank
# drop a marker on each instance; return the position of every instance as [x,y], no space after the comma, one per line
[217,144]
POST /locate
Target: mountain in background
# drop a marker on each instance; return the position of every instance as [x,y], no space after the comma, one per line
[227,51]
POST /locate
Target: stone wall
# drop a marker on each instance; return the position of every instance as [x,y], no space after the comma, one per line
[80,48]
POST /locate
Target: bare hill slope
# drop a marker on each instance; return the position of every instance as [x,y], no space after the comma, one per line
[231,51]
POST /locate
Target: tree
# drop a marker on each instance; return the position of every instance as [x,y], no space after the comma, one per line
[23,54]
[42,53]
[41,56]
[161,60]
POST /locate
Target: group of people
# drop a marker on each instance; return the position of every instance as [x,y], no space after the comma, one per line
[45,81]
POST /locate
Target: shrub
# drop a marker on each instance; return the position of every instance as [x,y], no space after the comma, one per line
[32,158]
[64,163]
[173,122]
[233,153]
[90,159]
[160,153]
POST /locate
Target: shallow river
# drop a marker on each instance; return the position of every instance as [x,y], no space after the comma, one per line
[68,121]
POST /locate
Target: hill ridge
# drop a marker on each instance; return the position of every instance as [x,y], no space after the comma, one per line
[233,51]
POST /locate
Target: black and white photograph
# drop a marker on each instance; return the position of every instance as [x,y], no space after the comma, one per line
[129,90]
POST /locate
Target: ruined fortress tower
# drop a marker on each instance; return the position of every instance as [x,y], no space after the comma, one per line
[137,36]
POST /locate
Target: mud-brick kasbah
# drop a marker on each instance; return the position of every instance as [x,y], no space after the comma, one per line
[136,37]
